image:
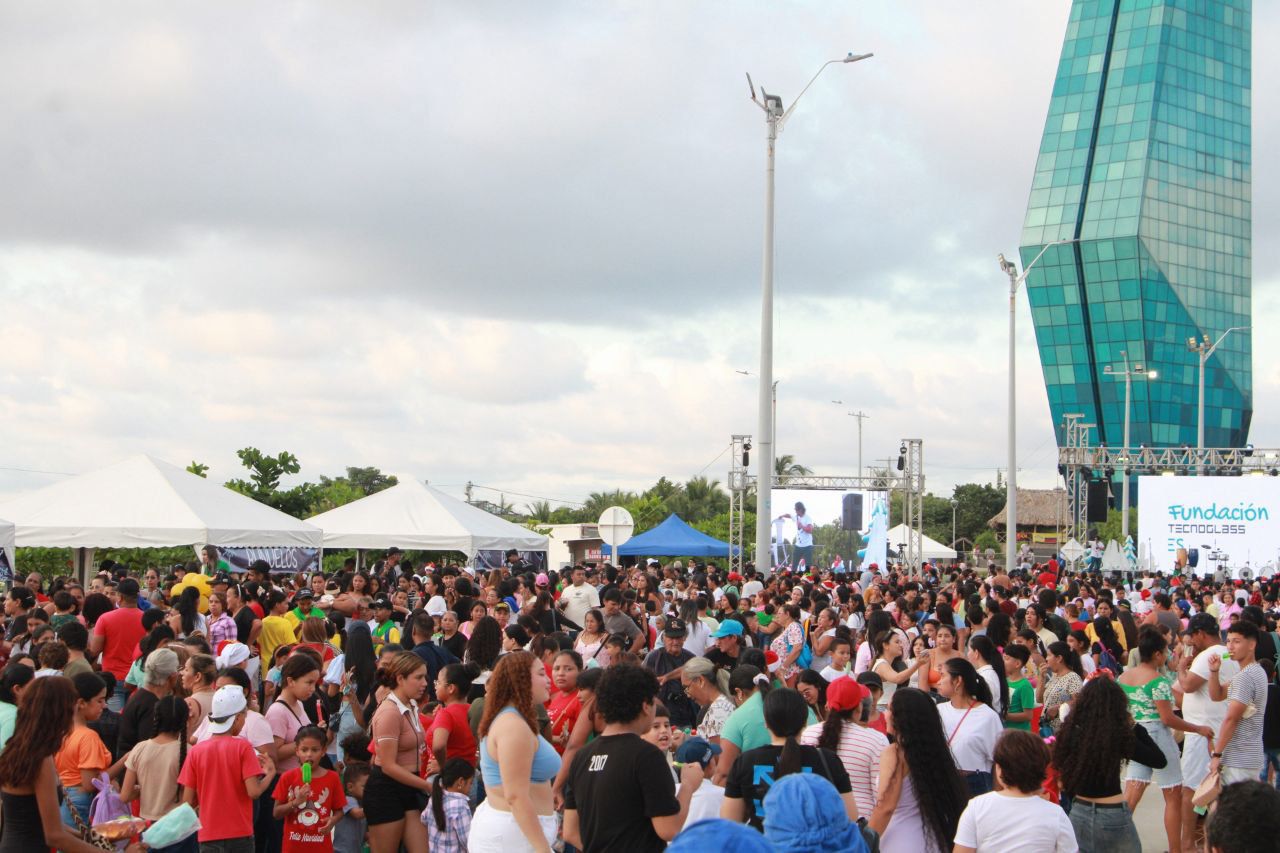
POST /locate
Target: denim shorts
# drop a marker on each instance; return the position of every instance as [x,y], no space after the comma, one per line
[1195,759]
[1169,776]
[1104,828]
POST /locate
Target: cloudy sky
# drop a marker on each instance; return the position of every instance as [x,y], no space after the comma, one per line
[519,243]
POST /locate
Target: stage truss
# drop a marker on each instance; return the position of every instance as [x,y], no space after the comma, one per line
[907,479]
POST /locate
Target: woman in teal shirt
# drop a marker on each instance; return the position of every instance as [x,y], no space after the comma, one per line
[13,681]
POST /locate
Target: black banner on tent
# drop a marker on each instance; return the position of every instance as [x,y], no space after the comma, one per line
[490,560]
[282,559]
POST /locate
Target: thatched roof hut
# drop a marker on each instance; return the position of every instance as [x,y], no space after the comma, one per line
[1036,508]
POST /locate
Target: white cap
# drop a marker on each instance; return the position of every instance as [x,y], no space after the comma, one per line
[232,654]
[228,701]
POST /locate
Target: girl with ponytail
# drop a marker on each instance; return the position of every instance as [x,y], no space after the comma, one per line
[970,724]
[785,715]
[152,768]
[448,819]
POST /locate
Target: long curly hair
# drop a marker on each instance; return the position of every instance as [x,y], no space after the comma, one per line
[1096,737]
[940,791]
[485,644]
[46,712]
[510,685]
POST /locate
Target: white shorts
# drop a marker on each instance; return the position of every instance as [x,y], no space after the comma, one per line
[1195,759]
[1169,776]
[494,831]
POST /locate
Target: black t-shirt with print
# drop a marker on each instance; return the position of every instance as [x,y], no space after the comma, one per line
[755,771]
[617,784]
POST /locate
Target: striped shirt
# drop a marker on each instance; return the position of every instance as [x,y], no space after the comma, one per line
[1244,750]
[859,750]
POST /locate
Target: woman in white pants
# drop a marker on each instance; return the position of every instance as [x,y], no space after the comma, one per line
[516,763]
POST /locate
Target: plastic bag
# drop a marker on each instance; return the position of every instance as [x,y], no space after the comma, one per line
[178,824]
[107,805]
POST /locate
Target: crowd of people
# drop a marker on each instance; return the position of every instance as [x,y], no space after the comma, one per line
[658,706]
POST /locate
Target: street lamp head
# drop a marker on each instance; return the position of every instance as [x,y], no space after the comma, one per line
[1191,343]
[857,58]
[1153,374]
[1008,267]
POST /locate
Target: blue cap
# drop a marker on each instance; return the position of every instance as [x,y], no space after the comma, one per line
[697,749]
[720,835]
[728,628]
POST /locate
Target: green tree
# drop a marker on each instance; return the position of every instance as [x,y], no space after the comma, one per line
[978,504]
[198,468]
[263,484]
[357,483]
[539,511]
[699,499]
[787,466]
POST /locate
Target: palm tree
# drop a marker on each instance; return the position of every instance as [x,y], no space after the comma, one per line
[700,498]
[786,466]
[539,511]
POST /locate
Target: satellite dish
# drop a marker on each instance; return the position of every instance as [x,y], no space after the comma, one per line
[616,526]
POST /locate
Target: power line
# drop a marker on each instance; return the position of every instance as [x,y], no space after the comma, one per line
[36,471]
[501,490]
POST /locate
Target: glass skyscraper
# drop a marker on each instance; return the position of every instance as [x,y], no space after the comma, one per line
[1145,161]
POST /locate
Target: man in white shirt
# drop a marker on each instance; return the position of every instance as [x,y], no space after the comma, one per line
[1200,708]
[804,537]
[579,597]
[708,798]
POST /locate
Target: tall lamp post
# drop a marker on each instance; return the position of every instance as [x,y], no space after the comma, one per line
[1010,269]
[861,416]
[773,408]
[1128,372]
[775,118]
[1205,349]
[954,503]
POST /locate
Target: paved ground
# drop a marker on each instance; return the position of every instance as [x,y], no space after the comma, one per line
[1150,821]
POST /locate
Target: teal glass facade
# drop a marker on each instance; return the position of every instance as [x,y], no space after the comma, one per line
[1145,161]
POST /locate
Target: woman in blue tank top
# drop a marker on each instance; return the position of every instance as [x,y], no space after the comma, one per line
[516,763]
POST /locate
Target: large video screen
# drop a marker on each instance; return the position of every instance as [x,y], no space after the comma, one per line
[1233,522]
[822,508]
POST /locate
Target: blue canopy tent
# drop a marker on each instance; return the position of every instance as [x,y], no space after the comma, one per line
[671,538]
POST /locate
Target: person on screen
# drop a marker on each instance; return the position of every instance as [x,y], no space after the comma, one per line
[804,536]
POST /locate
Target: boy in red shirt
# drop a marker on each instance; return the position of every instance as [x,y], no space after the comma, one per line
[226,775]
[309,807]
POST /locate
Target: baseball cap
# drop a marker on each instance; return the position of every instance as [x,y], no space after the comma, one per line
[696,749]
[305,592]
[651,562]
[675,628]
[220,577]
[228,701]
[542,580]
[845,694]
[728,628]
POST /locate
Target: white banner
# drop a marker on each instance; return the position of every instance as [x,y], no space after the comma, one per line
[1234,522]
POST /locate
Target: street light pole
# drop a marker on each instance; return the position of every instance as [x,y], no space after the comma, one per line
[775,117]
[1129,372]
[1205,349]
[1011,500]
[954,503]
[860,416]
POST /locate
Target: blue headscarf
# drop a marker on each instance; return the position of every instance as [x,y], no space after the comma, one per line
[721,835]
[803,813]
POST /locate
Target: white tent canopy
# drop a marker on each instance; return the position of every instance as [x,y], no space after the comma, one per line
[144,502]
[930,549]
[413,515]
[6,540]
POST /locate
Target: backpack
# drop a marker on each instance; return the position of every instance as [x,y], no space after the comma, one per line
[1106,660]
[806,651]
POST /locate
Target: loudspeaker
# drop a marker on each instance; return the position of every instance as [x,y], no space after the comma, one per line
[1193,557]
[851,519]
[1099,496]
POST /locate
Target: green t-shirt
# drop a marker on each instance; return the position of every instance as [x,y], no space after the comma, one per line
[745,727]
[1022,697]
[1143,698]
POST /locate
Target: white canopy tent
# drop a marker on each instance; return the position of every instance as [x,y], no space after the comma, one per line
[6,541]
[414,515]
[930,549]
[144,502]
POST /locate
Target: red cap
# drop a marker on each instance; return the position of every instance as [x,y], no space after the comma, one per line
[845,694]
